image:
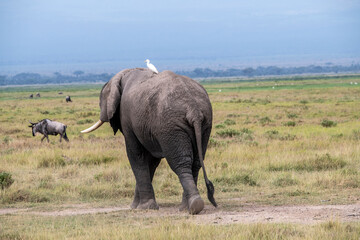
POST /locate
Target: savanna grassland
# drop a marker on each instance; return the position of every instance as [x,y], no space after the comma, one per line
[275,142]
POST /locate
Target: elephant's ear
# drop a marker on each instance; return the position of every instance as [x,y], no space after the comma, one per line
[110,98]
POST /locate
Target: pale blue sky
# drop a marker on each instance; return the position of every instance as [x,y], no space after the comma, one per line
[58,31]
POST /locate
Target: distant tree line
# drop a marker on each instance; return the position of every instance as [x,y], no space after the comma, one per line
[56,78]
[80,76]
[268,71]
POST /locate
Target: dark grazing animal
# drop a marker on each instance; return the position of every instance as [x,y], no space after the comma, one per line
[68,99]
[38,95]
[48,127]
[31,96]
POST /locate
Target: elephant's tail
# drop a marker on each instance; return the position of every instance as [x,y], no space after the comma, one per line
[209,184]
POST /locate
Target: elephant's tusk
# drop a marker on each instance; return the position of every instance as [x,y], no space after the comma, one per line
[93,127]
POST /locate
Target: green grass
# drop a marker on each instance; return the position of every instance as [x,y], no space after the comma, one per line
[267,147]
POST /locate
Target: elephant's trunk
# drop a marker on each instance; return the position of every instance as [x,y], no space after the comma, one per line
[93,127]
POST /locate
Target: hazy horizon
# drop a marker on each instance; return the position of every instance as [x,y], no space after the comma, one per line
[110,35]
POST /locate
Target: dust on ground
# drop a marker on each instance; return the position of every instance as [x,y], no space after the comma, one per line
[300,214]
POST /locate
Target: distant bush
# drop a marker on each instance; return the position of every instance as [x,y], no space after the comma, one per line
[319,163]
[233,115]
[292,115]
[112,176]
[5,180]
[228,133]
[274,134]
[96,160]
[6,139]
[265,120]
[85,121]
[287,137]
[328,123]
[290,124]
[245,179]
[25,195]
[87,114]
[263,101]
[220,126]
[215,143]
[229,122]
[355,135]
[285,180]
[304,101]
[51,161]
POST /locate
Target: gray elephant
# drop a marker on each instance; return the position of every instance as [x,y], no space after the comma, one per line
[161,116]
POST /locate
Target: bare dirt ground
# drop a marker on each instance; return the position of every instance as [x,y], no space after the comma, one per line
[304,214]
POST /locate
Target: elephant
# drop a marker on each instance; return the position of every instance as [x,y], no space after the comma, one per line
[162,115]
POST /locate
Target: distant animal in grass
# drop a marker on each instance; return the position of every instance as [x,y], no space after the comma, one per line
[47,127]
[38,95]
[31,96]
[60,93]
[68,99]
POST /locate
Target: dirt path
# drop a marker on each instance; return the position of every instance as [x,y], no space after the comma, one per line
[308,214]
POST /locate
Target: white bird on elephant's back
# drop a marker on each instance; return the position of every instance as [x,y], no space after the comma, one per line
[151,66]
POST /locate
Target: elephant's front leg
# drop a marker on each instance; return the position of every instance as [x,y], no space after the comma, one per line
[153,164]
[139,161]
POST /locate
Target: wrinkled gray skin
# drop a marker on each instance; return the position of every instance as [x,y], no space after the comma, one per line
[161,116]
[48,127]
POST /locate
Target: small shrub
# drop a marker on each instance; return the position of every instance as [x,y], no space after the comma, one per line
[96,160]
[45,112]
[24,195]
[304,101]
[285,180]
[232,115]
[7,139]
[228,133]
[290,124]
[265,121]
[292,115]
[220,126]
[245,179]
[272,134]
[355,135]
[5,180]
[109,176]
[87,114]
[85,121]
[328,123]
[263,101]
[215,143]
[229,122]
[319,163]
[287,137]
[51,161]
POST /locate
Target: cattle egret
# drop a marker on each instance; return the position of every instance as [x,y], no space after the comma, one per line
[151,66]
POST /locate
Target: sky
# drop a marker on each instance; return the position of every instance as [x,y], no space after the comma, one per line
[59,32]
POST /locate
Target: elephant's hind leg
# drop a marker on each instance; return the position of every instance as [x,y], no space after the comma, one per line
[192,201]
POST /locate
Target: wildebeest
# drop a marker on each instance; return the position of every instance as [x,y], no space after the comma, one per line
[31,96]
[38,95]
[48,127]
[68,99]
